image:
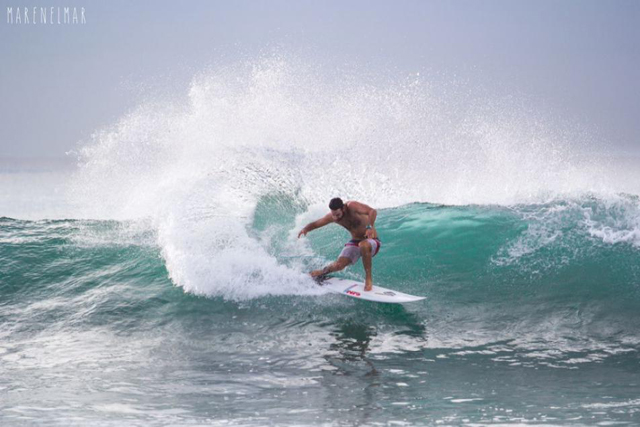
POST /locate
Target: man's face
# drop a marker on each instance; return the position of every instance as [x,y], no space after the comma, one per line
[337,214]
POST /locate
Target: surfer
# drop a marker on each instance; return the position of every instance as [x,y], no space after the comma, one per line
[359,220]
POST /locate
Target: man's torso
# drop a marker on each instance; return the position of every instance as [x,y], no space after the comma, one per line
[354,222]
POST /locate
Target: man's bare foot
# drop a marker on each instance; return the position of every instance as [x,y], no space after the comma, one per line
[317,273]
[368,284]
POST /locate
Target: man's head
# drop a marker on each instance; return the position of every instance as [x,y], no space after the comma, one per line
[337,208]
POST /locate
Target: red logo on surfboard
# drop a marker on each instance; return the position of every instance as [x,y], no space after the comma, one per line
[354,293]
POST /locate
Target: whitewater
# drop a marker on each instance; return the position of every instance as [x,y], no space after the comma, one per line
[161,280]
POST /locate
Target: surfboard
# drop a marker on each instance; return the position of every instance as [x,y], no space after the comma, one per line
[356,290]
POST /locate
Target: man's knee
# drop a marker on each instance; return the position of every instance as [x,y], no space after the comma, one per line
[365,247]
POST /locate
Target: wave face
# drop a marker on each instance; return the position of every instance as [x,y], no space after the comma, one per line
[564,268]
[179,293]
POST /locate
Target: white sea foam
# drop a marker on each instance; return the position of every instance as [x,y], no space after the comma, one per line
[614,220]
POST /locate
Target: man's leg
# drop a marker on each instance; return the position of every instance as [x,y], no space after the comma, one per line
[365,251]
[338,265]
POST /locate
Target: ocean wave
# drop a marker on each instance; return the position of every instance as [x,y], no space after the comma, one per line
[197,169]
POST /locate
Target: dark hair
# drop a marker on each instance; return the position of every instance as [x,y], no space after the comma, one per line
[335,204]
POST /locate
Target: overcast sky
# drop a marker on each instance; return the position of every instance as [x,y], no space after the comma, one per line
[59,83]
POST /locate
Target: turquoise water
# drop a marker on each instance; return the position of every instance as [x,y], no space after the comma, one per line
[532,317]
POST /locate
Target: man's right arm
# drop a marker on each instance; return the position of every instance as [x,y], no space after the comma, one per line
[327,219]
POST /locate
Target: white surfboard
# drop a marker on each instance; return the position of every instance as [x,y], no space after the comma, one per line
[356,290]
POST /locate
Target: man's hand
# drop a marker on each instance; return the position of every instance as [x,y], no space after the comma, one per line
[302,232]
[371,233]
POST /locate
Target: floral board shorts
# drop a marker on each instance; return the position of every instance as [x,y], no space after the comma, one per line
[351,249]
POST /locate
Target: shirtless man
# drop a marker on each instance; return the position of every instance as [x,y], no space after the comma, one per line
[358,218]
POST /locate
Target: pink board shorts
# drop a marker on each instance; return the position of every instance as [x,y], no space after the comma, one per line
[351,249]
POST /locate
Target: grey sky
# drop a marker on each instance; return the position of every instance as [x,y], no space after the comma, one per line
[60,83]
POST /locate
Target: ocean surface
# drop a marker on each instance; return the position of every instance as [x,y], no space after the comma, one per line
[159,280]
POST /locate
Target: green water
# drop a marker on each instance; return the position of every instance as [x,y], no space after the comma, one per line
[531,317]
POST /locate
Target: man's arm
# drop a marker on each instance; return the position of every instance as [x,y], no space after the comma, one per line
[327,219]
[363,209]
